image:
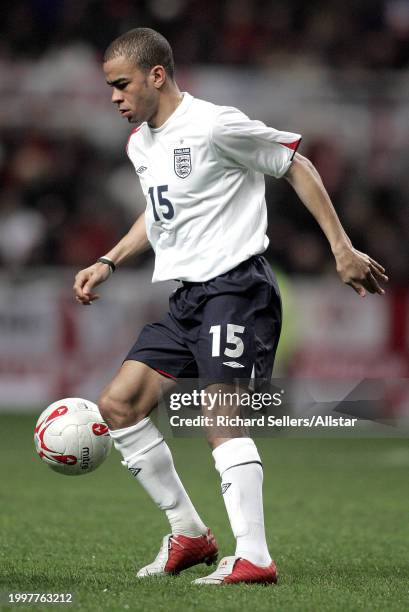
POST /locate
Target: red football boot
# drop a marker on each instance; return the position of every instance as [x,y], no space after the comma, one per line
[179,552]
[235,569]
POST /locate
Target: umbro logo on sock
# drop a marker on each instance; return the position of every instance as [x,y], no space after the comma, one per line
[233,364]
[134,471]
[225,486]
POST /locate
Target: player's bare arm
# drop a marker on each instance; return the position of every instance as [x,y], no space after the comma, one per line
[133,243]
[356,269]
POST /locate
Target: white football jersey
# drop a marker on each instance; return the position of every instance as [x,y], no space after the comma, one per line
[202,175]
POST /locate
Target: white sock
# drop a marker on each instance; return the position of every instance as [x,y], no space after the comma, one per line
[148,458]
[239,465]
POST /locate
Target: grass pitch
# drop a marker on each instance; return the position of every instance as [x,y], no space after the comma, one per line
[336,515]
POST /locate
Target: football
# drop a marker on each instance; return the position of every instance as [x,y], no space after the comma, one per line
[71,437]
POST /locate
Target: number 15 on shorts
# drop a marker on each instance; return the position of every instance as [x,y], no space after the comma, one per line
[233,339]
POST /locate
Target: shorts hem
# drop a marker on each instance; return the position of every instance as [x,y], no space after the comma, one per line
[147,362]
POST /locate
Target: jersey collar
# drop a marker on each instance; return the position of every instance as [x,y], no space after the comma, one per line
[187,99]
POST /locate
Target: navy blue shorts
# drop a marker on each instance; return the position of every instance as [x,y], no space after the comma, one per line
[220,330]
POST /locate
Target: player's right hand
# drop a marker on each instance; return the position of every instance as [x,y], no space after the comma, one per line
[87,279]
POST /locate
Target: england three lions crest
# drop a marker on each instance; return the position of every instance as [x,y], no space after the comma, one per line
[182,162]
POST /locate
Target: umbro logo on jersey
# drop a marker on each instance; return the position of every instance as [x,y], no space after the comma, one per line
[141,169]
[225,486]
[182,162]
[134,471]
[233,364]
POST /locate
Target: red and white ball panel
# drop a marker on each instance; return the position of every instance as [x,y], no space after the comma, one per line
[71,436]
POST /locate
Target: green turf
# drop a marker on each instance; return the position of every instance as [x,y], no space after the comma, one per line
[336,515]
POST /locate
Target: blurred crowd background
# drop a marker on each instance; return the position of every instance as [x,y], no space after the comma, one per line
[354,33]
[68,195]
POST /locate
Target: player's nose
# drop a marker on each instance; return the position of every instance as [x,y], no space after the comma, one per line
[116,97]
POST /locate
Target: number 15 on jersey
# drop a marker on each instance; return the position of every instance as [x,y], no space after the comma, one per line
[160,204]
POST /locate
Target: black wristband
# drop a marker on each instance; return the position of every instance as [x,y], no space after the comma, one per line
[109,263]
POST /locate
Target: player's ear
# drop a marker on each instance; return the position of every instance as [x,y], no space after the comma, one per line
[157,76]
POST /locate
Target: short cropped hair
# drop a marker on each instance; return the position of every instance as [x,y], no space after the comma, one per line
[145,47]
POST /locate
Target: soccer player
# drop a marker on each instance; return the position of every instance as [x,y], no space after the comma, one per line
[201,168]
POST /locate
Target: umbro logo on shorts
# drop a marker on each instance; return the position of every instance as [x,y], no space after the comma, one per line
[233,364]
[141,169]
[225,486]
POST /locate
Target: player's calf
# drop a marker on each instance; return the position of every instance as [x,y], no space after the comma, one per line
[224,411]
[115,413]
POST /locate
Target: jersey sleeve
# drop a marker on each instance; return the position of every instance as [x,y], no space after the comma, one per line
[251,144]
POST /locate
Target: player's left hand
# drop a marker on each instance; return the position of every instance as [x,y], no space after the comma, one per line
[360,271]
